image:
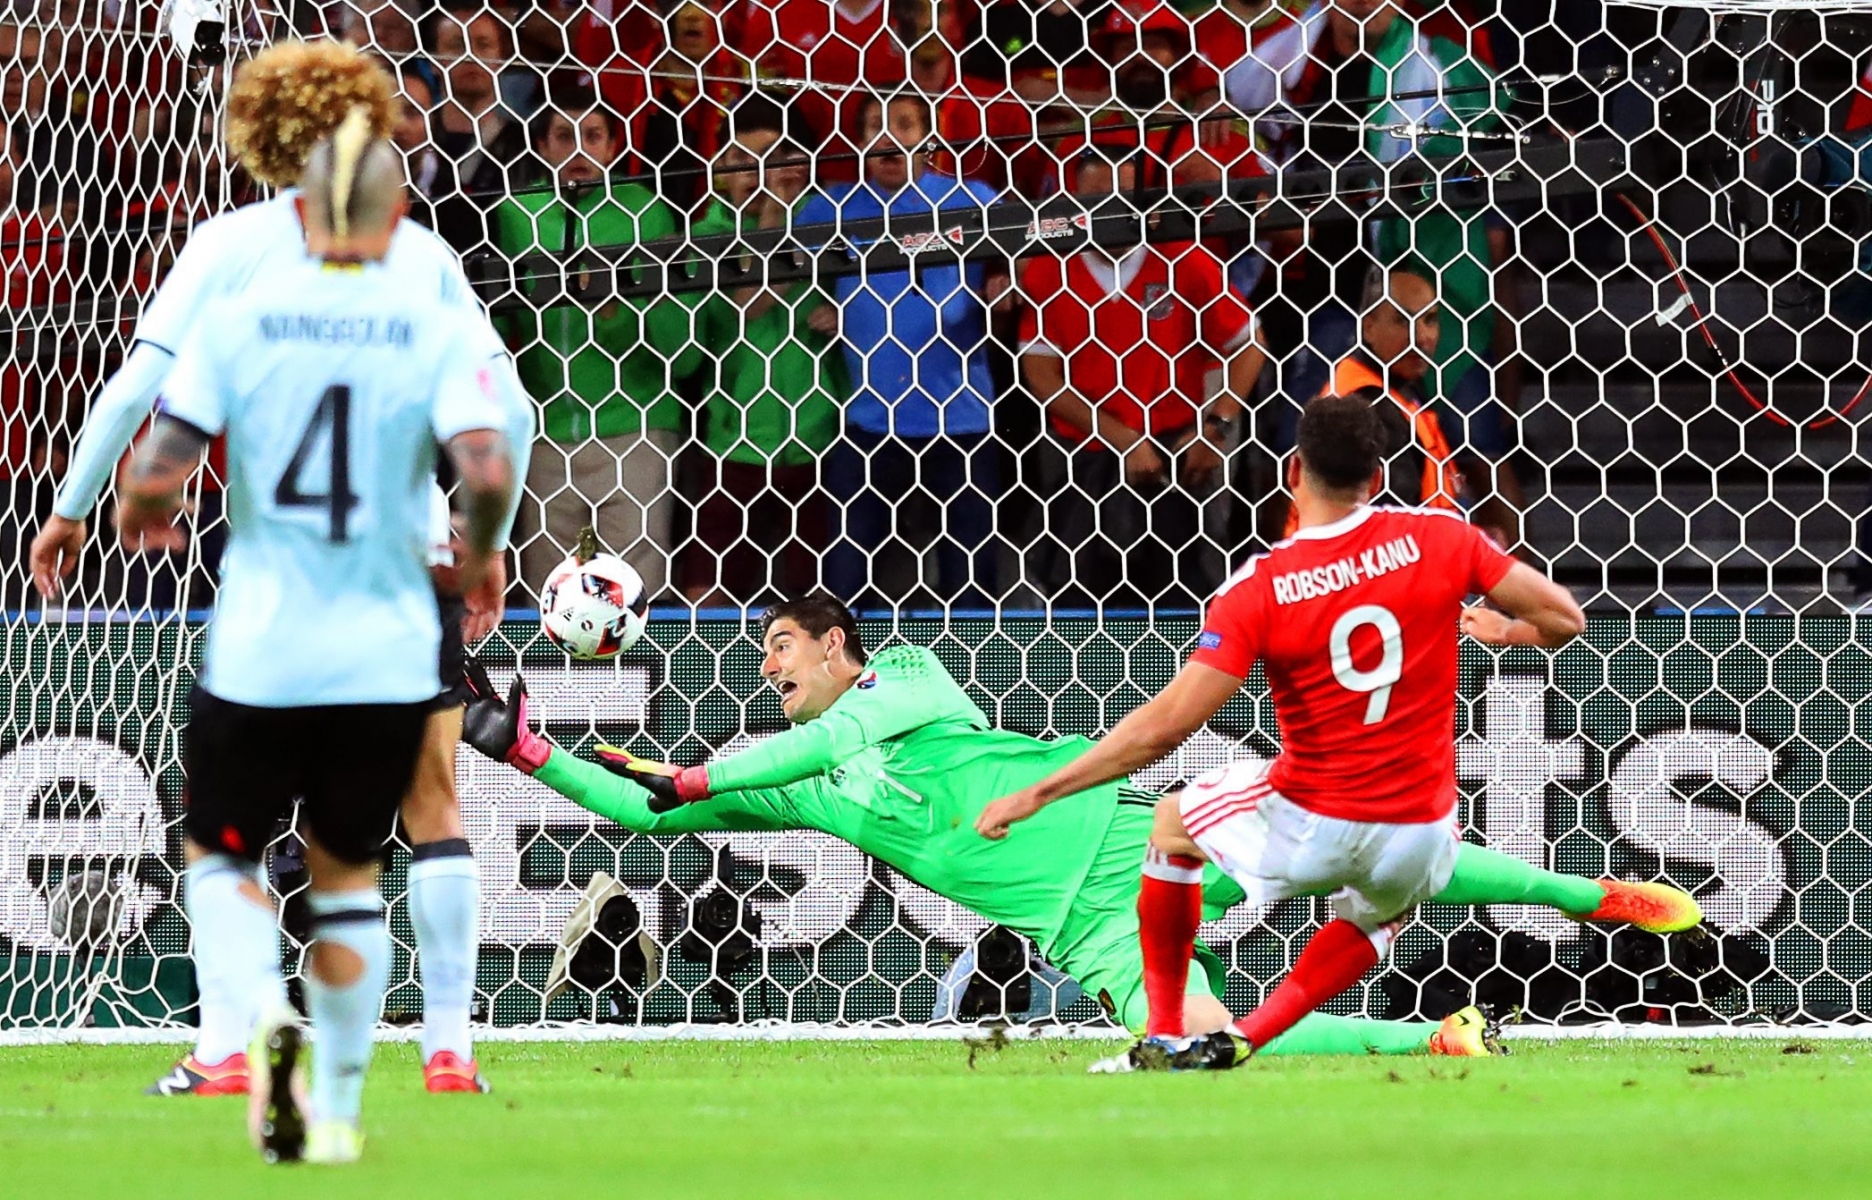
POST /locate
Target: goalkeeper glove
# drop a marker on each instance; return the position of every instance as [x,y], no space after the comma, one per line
[669,787]
[499,728]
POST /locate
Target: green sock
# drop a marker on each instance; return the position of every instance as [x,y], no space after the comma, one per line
[1323,1033]
[1486,876]
[1220,893]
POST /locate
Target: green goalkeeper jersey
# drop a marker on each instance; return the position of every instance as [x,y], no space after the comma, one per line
[899,766]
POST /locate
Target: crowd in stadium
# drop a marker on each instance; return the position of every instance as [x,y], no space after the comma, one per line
[1067,432]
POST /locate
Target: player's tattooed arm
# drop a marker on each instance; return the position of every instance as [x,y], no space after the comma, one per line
[484,467]
[152,490]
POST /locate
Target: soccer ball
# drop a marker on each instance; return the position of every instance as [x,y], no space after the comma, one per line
[594,609]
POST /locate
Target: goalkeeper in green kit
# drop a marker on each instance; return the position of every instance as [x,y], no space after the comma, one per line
[889,754]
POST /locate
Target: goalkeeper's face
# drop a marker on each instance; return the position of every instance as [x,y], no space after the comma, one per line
[810,673]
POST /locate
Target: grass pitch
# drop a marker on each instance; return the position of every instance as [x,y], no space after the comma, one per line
[1586,1121]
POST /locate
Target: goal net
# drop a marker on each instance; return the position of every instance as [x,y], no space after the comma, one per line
[993,318]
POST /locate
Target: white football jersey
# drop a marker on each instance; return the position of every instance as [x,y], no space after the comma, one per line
[222,257]
[333,386]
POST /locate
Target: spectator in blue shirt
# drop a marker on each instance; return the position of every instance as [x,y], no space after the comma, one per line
[918,423]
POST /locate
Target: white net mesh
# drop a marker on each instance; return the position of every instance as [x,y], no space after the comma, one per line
[1028,414]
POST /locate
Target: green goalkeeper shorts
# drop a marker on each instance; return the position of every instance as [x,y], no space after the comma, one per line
[1098,942]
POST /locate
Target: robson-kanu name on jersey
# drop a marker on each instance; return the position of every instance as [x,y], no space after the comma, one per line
[1295,586]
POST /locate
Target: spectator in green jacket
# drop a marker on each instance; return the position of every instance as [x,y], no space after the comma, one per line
[606,374]
[780,385]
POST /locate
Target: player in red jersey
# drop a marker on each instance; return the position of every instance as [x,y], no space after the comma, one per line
[1355,619]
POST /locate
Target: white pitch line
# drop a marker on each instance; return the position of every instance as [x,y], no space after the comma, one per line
[777,1032]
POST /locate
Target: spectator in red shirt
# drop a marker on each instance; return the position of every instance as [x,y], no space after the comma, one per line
[1189,139]
[1147,47]
[847,44]
[676,133]
[1115,348]
[672,71]
[1040,50]
[616,40]
[988,131]
[1222,38]
[33,258]
[1162,82]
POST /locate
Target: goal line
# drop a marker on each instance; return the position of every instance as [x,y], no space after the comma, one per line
[779,1032]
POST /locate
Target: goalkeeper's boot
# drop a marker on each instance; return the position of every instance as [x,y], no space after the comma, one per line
[276,1106]
[1468,1033]
[447,1071]
[1217,1051]
[193,1077]
[1652,907]
[334,1143]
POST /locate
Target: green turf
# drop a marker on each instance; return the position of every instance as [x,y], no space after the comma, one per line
[720,1120]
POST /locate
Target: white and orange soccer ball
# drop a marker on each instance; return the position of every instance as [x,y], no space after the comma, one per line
[594,609]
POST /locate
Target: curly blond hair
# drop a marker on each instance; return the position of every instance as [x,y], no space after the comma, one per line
[290,95]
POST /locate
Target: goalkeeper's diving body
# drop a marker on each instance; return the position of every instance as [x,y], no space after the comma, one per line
[889,754]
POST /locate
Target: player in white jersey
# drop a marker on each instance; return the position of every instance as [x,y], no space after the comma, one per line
[333,383]
[282,101]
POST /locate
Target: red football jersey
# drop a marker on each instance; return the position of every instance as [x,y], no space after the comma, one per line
[1140,351]
[1356,623]
[1221,41]
[827,43]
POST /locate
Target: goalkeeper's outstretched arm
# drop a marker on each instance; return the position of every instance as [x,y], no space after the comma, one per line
[595,789]
[860,717]
[498,728]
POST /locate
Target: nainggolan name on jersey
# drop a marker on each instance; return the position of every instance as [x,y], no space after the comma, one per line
[1295,586]
[336,331]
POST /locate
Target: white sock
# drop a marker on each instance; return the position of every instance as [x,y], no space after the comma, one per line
[445,909]
[344,1017]
[236,952]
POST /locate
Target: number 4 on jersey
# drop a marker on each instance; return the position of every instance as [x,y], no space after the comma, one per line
[1380,679]
[334,414]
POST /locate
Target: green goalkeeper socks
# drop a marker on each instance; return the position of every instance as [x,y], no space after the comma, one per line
[1486,876]
[1323,1033]
[1482,876]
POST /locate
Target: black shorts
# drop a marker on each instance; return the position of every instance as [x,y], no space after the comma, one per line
[349,763]
[449,667]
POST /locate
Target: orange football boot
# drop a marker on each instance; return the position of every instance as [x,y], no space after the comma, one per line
[448,1071]
[1468,1033]
[193,1077]
[1652,907]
